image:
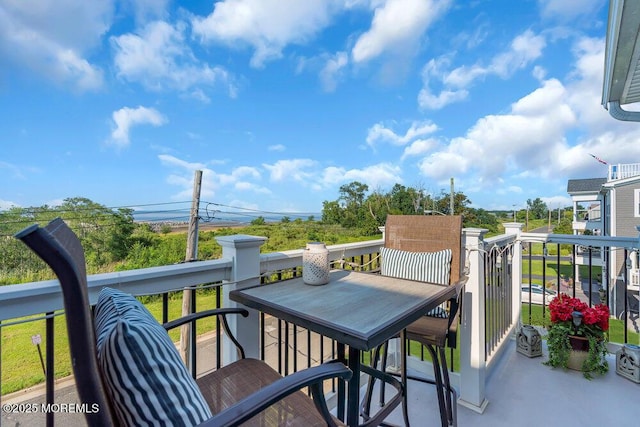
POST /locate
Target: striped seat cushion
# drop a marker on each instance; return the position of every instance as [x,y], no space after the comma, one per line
[144,374]
[433,267]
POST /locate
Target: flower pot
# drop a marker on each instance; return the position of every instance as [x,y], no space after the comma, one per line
[579,352]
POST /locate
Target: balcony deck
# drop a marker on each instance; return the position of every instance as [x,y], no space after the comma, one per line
[524,392]
[521,392]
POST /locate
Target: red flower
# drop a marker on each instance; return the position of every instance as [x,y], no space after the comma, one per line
[589,317]
[603,316]
[563,306]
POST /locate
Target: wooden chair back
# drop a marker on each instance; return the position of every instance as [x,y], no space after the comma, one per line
[427,233]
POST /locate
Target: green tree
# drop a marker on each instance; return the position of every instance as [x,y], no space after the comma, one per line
[331,212]
[105,234]
[460,203]
[564,227]
[353,210]
[352,197]
[402,200]
[537,208]
[258,221]
[377,207]
[481,219]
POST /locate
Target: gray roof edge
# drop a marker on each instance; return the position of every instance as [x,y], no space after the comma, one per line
[589,185]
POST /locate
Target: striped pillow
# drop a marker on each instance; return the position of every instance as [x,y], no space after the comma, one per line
[144,374]
[432,267]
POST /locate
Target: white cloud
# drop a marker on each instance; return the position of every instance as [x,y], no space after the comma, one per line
[526,138]
[446,163]
[277,147]
[252,187]
[539,72]
[435,68]
[52,37]
[381,175]
[159,58]
[397,25]
[524,49]
[182,173]
[300,170]
[530,140]
[556,202]
[380,133]
[14,170]
[245,171]
[146,10]
[268,26]
[333,70]
[428,100]
[564,10]
[125,118]
[419,147]
[169,160]
[6,204]
[514,189]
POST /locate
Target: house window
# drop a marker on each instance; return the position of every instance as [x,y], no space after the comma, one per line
[590,212]
[636,201]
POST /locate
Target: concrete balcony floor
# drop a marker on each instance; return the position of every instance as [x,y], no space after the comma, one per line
[521,392]
[524,392]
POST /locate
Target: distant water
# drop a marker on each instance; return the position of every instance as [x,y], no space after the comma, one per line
[223,220]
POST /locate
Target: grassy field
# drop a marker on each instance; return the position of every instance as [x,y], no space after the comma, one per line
[21,366]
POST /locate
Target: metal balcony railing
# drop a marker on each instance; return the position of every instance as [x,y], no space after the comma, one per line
[621,171]
[492,304]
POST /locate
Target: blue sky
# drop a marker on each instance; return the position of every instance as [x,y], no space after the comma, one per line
[280,102]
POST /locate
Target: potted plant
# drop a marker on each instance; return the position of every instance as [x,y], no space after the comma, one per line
[578,335]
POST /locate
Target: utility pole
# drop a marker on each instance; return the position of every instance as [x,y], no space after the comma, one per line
[558,215]
[191,255]
[451,198]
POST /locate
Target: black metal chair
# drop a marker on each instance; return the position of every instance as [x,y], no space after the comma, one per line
[438,329]
[247,392]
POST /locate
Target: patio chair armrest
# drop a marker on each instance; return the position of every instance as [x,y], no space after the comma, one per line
[221,313]
[202,314]
[455,308]
[257,402]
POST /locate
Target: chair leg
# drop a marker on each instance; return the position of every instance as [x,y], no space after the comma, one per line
[366,403]
[452,406]
[437,372]
[384,369]
[405,379]
[450,403]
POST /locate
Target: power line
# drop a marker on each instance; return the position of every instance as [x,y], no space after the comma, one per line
[235,214]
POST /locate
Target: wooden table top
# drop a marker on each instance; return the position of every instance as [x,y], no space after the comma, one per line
[362,310]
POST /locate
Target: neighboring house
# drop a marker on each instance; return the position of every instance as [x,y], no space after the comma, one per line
[587,205]
[610,207]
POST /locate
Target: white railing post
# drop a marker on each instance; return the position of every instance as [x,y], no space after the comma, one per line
[244,251]
[472,335]
[514,229]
